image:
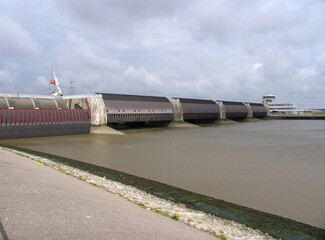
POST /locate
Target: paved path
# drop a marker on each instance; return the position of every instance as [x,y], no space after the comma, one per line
[38,202]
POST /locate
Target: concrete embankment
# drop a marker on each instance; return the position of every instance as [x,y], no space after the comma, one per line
[63,207]
[194,209]
[38,202]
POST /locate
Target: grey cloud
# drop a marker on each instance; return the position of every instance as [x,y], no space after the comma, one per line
[118,17]
[39,86]
[228,49]
[260,22]
[15,41]
[96,69]
[198,73]
[7,81]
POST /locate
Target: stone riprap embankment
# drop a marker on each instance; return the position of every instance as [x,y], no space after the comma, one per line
[219,227]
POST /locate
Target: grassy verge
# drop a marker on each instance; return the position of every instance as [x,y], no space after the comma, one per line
[318,113]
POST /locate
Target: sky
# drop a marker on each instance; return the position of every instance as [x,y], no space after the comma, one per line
[211,49]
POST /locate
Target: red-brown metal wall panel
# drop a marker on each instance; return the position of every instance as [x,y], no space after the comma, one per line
[15,123]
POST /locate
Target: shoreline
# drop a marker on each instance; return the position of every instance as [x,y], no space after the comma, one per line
[39,202]
[222,228]
[193,209]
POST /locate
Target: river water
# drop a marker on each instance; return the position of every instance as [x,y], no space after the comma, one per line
[275,166]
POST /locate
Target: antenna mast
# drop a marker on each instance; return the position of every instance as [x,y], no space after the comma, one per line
[72,87]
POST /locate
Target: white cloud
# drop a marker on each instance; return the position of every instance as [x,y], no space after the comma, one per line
[141,77]
[305,79]
[255,73]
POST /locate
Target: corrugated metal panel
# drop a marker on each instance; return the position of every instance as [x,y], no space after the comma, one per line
[235,110]
[198,109]
[24,131]
[121,108]
[129,118]
[3,103]
[15,123]
[38,116]
[20,103]
[258,109]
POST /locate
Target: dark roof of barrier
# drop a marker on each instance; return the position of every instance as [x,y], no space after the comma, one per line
[256,104]
[198,101]
[140,98]
[231,102]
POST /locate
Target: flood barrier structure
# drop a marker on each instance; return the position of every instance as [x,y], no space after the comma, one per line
[258,110]
[93,102]
[235,110]
[36,117]
[196,110]
[124,109]
[30,117]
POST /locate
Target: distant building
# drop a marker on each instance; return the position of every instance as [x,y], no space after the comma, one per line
[279,108]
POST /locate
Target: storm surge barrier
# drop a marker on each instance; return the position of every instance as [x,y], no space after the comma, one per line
[258,110]
[46,116]
[131,109]
[26,117]
[198,109]
[122,109]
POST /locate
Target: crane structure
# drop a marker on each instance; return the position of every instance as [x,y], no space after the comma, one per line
[58,92]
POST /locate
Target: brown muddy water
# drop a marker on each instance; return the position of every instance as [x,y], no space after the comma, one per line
[274,166]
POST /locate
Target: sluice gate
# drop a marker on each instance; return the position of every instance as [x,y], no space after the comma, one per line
[198,109]
[133,109]
[123,109]
[36,117]
[235,110]
[258,110]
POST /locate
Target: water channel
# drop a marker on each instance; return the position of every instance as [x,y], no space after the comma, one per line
[277,166]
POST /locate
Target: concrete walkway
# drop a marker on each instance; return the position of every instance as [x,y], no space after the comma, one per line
[38,202]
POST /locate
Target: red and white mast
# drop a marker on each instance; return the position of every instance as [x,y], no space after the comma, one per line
[57,93]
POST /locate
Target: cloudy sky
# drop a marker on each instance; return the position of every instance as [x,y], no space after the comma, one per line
[214,49]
